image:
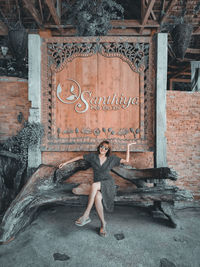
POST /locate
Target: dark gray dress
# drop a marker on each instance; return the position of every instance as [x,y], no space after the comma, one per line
[102,174]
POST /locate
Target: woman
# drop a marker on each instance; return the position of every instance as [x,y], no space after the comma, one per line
[103,187]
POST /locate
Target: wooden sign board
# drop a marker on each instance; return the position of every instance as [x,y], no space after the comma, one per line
[94,96]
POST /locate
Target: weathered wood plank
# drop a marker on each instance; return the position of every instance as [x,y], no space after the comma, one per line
[152,173]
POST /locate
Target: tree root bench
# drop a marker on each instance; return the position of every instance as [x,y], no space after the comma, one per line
[46,187]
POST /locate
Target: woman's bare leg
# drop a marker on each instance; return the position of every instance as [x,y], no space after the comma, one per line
[99,208]
[95,187]
[82,189]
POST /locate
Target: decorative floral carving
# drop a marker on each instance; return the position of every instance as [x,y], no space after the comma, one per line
[132,53]
[123,132]
[86,131]
[97,131]
[68,131]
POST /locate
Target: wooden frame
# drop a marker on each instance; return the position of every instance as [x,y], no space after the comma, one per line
[52,143]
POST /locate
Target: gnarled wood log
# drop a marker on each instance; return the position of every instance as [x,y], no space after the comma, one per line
[44,187]
[131,174]
[11,178]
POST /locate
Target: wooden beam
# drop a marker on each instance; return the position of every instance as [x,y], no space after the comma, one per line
[177,73]
[173,2]
[134,24]
[183,73]
[193,51]
[142,8]
[115,32]
[41,12]
[59,8]
[178,80]
[33,11]
[146,15]
[162,9]
[116,24]
[152,13]
[52,9]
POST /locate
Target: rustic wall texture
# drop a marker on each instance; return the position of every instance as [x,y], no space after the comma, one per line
[183,134]
[183,138]
[13,100]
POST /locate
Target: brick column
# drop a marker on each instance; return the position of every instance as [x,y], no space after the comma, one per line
[34,93]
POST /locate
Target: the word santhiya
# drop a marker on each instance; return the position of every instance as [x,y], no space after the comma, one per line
[85,100]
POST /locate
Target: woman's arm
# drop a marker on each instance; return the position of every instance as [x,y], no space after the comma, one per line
[70,161]
[127,153]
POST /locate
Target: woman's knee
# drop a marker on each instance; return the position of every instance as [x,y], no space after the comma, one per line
[98,196]
[82,189]
[75,191]
[95,186]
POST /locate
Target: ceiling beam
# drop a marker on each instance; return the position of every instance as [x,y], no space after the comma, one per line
[33,11]
[116,24]
[193,51]
[146,15]
[179,72]
[152,13]
[118,32]
[166,12]
[59,8]
[162,9]
[53,11]
[134,24]
[41,12]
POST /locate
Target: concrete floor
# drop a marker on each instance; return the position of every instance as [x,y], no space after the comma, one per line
[134,239]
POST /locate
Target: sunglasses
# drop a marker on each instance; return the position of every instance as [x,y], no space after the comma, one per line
[104,147]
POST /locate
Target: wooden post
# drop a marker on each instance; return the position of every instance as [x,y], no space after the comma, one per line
[161,84]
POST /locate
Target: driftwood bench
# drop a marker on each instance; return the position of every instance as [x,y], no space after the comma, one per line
[46,187]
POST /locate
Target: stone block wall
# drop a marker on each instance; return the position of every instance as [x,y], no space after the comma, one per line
[183,138]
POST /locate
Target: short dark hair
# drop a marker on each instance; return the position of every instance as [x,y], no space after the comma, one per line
[101,144]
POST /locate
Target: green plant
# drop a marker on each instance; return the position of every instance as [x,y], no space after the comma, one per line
[27,137]
[92,18]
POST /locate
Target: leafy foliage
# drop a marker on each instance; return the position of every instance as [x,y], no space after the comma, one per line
[92,18]
[27,137]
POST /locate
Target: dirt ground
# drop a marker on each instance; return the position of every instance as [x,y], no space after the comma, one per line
[134,239]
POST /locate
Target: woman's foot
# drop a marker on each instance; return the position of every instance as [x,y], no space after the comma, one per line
[82,221]
[102,231]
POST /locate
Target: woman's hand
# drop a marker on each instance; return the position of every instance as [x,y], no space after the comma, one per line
[70,161]
[128,145]
[61,165]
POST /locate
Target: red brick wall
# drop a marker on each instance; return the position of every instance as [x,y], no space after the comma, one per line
[13,100]
[183,133]
[138,160]
[183,138]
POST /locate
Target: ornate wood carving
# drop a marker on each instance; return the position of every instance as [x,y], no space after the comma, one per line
[136,52]
[132,53]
